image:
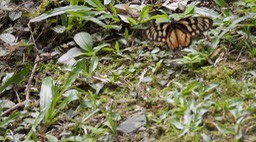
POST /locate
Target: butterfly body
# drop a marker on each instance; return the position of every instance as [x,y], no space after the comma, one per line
[178,33]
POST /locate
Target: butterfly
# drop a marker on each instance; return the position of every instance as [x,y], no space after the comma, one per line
[179,33]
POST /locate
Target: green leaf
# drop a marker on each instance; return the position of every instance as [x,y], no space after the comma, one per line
[86,104]
[84,40]
[110,123]
[206,138]
[106,2]
[69,57]
[51,138]
[14,15]
[94,64]
[207,12]
[50,112]
[74,2]
[97,48]
[221,3]
[235,24]
[16,78]
[72,95]
[117,46]
[59,11]
[158,18]
[190,10]
[85,138]
[132,21]
[189,89]
[115,116]
[95,3]
[126,33]
[177,124]
[59,29]
[112,9]
[14,116]
[7,38]
[115,27]
[215,42]
[94,20]
[46,93]
[85,14]
[86,117]
[144,13]
[38,120]
[73,75]
[95,130]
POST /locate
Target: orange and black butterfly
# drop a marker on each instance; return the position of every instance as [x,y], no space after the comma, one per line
[179,33]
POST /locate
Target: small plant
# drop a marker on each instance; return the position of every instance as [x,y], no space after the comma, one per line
[51,102]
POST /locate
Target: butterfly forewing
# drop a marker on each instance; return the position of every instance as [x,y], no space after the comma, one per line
[195,25]
[157,32]
[179,32]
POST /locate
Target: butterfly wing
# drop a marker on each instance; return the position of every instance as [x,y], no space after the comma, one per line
[194,25]
[158,32]
[178,37]
[179,32]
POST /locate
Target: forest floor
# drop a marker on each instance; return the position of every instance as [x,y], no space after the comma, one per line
[84,71]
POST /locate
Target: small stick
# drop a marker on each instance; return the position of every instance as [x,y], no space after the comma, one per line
[33,39]
[17,95]
[27,90]
[13,108]
[142,76]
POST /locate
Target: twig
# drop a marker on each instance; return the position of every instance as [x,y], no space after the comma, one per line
[142,76]
[33,39]
[27,90]
[13,108]
[17,95]
[240,53]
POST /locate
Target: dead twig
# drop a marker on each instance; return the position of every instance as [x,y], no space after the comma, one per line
[13,108]
[17,95]
[141,77]
[27,90]
[33,39]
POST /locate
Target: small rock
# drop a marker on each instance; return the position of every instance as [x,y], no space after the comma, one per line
[133,123]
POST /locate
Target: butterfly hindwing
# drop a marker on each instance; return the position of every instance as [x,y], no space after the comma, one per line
[178,37]
[179,33]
